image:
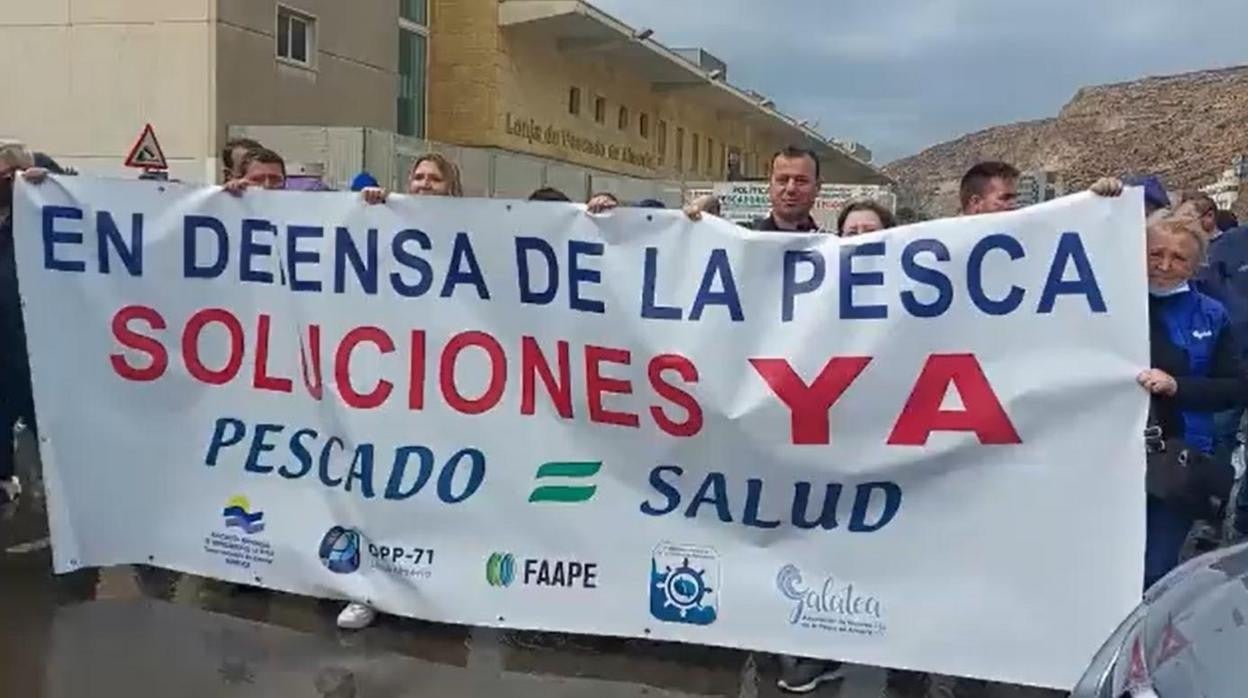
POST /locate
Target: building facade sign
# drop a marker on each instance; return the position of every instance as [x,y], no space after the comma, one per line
[534,132]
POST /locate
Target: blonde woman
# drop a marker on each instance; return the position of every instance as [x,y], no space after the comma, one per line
[432,175]
[1196,371]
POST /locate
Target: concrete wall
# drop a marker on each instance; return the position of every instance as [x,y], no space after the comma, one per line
[87,74]
[353,80]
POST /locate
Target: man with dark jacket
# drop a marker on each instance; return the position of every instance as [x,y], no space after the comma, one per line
[792,189]
[16,396]
[1225,277]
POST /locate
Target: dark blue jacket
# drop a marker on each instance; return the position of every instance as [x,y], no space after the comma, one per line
[1190,338]
[1225,278]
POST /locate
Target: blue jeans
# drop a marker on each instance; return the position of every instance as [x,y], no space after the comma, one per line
[1166,531]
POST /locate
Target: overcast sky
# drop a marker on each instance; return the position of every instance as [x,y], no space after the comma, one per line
[900,75]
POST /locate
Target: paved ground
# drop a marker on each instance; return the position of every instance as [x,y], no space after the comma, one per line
[121,632]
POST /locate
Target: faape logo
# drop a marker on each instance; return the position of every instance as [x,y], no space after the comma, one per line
[501,571]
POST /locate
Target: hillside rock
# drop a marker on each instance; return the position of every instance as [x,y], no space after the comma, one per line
[1186,128]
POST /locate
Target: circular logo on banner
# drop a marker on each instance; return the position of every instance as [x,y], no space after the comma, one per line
[500,569]
[340,550]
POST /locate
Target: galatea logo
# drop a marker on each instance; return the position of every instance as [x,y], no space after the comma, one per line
[565,482]
[500,569]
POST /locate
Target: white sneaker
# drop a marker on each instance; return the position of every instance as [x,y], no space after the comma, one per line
[10,489]
[356,616]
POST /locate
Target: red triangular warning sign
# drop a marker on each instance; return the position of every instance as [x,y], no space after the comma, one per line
[146,153]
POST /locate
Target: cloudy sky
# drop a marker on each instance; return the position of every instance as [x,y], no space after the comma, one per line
[900,75]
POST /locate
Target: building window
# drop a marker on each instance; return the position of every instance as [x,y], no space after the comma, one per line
[623,120]
[643,125]
[710,154]
[600,110]
[723,160]
[413,66]
[416,11]
[680,149]
[661,142]
[574,101]
[695,160]
[296,36]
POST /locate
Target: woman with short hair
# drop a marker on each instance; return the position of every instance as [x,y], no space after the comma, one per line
[1196,371]
[863,216]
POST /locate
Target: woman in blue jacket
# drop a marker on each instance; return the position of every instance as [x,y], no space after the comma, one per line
[1196,370]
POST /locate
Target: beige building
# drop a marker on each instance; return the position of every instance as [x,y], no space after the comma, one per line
[525,92]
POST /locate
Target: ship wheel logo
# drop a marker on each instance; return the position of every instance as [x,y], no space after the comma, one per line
[682,591]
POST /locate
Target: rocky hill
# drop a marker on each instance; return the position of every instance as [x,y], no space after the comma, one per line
[1186,128]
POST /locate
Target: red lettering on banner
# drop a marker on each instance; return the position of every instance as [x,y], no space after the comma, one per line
[982,413]
[416,366]
[317,389]
[809,404]
[597,385]
[262,380]
[158,358]
[547,367]
[533,364]
[190,346]
[689,373]
[342,365]
[498,373]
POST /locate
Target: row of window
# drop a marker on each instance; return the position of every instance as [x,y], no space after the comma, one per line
[708,159]
[296,43]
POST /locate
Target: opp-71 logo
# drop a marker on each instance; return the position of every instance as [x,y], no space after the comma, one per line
[565,482]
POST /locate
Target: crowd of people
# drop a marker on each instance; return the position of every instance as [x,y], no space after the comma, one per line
[1197,269]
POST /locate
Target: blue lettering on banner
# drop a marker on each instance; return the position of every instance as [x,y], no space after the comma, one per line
[130,253]
[404,258]
[1070,249]
[792,287]
[928,276]
[851,279]
[52,237]
[296,256]
[313,259]
[718,273]
[578,275]
[975,274]
[191,228]
[362,469]
[650,309]
[251,248]
[874,505]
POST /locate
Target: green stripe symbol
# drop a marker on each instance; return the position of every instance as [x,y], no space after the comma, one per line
[570,492]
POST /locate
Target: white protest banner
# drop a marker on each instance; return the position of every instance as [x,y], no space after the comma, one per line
[918,448]
[742,202]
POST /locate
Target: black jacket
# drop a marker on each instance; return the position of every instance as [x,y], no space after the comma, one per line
[769,224]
